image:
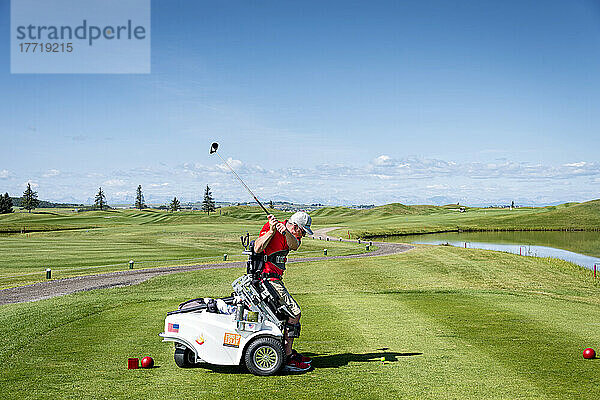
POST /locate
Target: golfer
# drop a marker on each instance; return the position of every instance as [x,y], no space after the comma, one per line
[276,239]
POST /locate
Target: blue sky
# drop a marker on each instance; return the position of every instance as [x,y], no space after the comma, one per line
[335,102]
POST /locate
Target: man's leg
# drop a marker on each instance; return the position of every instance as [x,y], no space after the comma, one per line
[286,299]
[288,340]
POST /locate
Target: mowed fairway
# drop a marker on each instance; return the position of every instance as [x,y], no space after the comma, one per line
[450,322]
[97,242]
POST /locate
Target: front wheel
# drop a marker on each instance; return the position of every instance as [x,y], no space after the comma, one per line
[184,357]
[264,356]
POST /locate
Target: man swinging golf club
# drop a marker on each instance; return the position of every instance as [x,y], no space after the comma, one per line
[276,239]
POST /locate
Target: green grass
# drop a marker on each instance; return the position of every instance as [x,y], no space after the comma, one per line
[67,219]
[451,323]
[73,244]
[68,254]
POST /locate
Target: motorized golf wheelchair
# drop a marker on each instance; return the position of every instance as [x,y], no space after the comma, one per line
[245,328]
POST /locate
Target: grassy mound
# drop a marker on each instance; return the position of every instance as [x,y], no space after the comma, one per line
[397,219]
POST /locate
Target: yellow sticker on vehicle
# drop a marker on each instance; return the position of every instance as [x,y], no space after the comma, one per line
[232,340]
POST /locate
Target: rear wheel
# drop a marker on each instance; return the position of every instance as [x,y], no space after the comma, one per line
[184,357]
[264,356]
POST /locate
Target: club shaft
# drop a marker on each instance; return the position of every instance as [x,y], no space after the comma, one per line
[242,182]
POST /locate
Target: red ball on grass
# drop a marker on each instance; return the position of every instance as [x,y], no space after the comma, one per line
[147,362]
[589,353]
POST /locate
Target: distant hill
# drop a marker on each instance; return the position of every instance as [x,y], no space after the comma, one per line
[400,219]
[380,211]
[569,216]
[46,204]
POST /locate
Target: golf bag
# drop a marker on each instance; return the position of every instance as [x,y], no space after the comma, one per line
[255,263]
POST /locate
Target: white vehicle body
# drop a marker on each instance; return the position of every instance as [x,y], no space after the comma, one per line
[216,338]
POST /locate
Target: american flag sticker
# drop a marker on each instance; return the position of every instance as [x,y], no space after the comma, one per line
[173,328]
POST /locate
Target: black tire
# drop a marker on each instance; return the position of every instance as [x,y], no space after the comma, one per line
[264,356]
[184,357]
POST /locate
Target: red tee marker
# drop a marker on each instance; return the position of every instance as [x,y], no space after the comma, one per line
[147,362]
[589,353]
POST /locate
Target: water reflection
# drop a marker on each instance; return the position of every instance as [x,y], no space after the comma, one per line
[581,248]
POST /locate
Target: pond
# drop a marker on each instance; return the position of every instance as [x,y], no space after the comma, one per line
[581,248]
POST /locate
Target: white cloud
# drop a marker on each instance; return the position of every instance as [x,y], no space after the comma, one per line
[577,164]
[114,182]
[381,176]
[437,187]
[235,164]
[32,183]
[122,194]
[51,172]
[4,174]
[421,168]
[381,160]
[384,179]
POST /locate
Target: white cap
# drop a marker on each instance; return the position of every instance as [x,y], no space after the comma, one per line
[303,220]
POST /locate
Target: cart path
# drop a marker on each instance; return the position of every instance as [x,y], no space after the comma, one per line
[60,287]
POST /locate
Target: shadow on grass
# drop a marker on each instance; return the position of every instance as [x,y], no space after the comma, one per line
[47,213]
[319,361]
[342,359]
[223,369]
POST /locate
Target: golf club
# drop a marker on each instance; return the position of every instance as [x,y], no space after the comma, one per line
[213,149]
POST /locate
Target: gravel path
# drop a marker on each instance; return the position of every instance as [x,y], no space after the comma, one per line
[60,287]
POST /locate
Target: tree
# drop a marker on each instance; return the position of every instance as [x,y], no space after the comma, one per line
[270,203]
[512,205]
[30,200]
[139,198]
[100,200]
[208,204]
[7,204]
[175,205]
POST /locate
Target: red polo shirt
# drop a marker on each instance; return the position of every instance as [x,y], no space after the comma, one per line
[277,243]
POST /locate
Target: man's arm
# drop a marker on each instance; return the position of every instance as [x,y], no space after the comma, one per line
[262,242]
[292,241]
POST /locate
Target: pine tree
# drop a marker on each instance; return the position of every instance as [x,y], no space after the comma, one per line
[270,203]
[208,204]
[175,205]
[139,198]
[100,200]
[6,204]
[30,200]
